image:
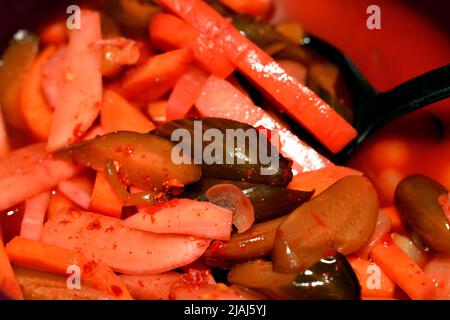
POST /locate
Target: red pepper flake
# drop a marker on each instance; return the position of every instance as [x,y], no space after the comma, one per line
[114,246]
[64,222]
[78,132]
[217,247]
[111,228]
[129,151]
[195,277]
[116,290]
[141,283]
[317,219]
[94,225]
[386,239]
[280,233]
[89,266]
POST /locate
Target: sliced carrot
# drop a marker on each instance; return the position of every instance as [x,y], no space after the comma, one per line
[4,141]
[52,258]
[185,216]
[8,282]
[157,111]
[34,215]
[185,93]
[104,200]
[256,8]
[400,268]
[319,180]
[118,114]
[294,98]
[151,80]
[78,189]
[53,32]
[36,111]
[373,281]
[125,250]
[58,201]
[151,287]
[29,171]
[221,99]
[169,32]
[78,103]
[397,224]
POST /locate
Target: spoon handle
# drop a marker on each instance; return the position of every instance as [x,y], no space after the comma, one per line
[412,95]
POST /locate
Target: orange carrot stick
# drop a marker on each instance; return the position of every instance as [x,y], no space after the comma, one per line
[118,114]
[402,270]
[51,258]
[373,281]
[8,283]
[104,200]
[58,201]
[397,225]
[35,108]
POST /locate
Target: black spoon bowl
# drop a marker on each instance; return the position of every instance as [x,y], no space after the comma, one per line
[373,109]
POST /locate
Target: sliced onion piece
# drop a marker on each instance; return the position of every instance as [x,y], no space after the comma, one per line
[231,197]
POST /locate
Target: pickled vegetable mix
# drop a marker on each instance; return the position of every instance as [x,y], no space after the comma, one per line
[169,150]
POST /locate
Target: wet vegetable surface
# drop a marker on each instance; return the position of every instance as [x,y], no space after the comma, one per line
[268,202]
[229,196]
[340,219]
[255,243]
[330,278]
[142,160]
[246,164]
[423,204]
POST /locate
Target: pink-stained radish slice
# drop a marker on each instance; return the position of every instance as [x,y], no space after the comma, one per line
[78,189]
[185,216]
[219,98]
[185,93]
[78,103]
[27,172]
[34,216]
[125,250]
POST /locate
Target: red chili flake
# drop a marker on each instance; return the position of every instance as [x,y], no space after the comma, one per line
[217,247]
[111,228]
[116,290]
[317,219]
[123,178]
[128,151]
[64,222]
[78,132]
[386,239]
[114,246]
[89,266]
[195,277]
[141,283]
[94,225]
